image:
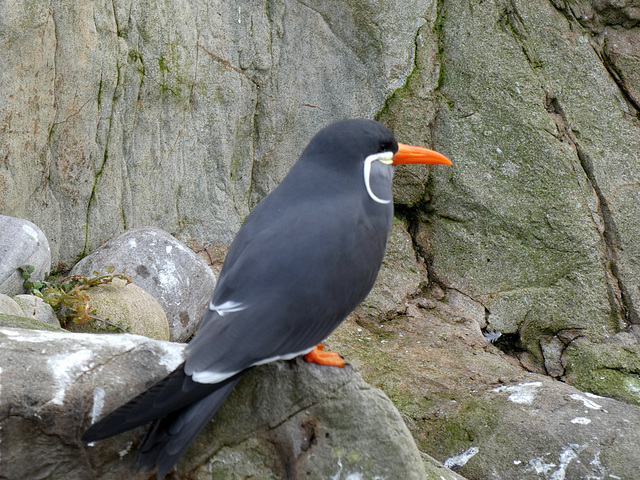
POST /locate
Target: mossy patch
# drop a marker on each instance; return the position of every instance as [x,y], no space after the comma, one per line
[16,321]
[473,420]
[606,369]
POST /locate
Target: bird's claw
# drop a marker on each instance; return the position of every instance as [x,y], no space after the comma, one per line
[319,356]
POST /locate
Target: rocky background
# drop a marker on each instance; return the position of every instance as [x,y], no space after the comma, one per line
[182,115]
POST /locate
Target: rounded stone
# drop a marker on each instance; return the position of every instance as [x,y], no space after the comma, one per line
[163,266]
[21,243]
[128,306]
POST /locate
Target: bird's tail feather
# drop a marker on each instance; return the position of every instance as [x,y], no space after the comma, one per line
[173,393]
[170,436]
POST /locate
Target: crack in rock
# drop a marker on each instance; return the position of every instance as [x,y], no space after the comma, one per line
[620,299]
[615,73]
[512,21]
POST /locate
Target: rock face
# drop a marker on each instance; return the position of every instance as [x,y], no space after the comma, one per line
[162,266]
[309,422]
[474,409]
[538,221]
[182,115]
[21,243]
[284,420]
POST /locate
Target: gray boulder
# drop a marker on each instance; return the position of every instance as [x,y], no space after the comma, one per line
[163,266]
[9,306]
[284,420]
[21,243]
[37,309]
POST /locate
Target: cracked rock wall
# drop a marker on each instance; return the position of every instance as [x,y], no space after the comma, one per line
[179,115]
[540,219]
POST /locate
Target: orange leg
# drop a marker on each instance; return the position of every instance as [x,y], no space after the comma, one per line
[319,356]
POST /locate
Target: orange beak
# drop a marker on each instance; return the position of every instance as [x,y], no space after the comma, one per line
[411,154]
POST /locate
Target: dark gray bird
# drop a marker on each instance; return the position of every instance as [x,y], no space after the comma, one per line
[305,257]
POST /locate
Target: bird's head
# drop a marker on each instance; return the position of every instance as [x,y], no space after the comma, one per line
[371,148]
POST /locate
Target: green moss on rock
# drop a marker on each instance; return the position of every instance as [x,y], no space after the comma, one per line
[606,369]
[16,321]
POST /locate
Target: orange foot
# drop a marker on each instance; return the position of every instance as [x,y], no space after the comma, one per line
[319,356]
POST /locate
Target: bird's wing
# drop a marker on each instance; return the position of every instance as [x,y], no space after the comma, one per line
[285,287]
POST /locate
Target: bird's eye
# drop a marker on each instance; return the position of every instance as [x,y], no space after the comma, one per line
[385,147]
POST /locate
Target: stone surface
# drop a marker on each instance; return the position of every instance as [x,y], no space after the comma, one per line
[468,404]
[213,255]
[183,116]
[538,220]
[162,266]
[54,385]
[321,423]
[564,433]
[37,309]
[552,348]
[596,14]
[621,49]
[126,306]
[18,321]
[9,306]
[284,420]
[21,243]
[610,368]
[180,115]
